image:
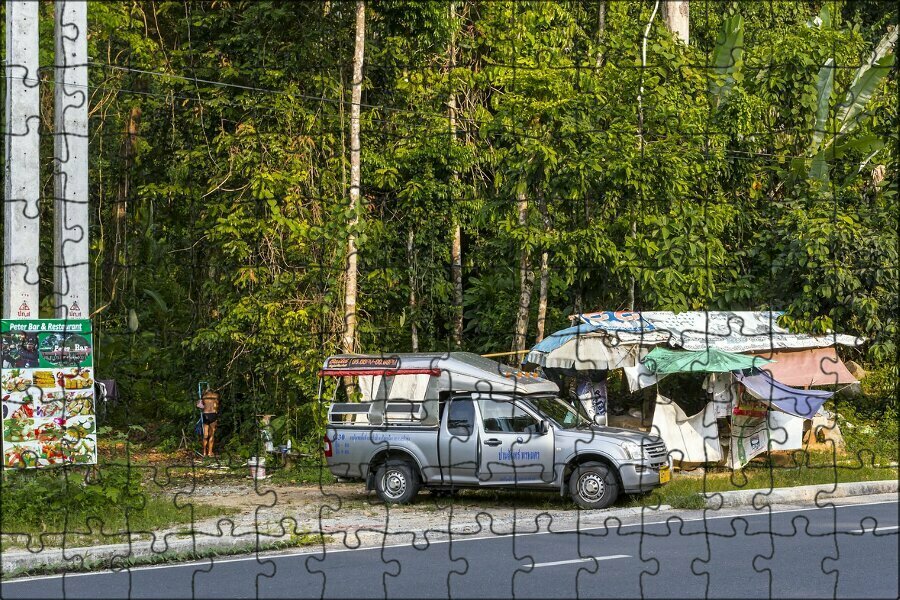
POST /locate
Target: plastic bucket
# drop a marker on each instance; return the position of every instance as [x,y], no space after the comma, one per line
[257,467]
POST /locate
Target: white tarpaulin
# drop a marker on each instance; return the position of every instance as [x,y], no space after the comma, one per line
[593,353]
[640,376]
[731,331]
[785,431]
[399,387]
[752,434]
[689,439]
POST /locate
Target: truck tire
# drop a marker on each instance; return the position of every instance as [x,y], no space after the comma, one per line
[593,485]
[396,482]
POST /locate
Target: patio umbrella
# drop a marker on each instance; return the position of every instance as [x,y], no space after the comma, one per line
[594,353]
[662,361]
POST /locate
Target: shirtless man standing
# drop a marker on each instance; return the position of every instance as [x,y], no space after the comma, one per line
[210,400]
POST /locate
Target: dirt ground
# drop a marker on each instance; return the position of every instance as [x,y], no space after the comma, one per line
[347,515]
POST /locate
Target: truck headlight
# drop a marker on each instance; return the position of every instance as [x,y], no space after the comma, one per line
[633,450]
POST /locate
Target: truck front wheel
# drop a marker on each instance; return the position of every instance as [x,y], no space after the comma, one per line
[593,485]
[396,482]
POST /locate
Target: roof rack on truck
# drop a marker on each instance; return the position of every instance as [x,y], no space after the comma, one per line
[404,389]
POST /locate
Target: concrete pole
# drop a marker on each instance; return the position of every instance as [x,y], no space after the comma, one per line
[21,242]
[70,220]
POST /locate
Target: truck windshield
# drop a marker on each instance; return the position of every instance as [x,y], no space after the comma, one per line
[563,414]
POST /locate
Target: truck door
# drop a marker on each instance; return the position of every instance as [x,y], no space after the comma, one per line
[458,442]
[512,447]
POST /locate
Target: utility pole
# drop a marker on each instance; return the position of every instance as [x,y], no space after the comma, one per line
[21,213]
[350,291]
[456,244]
[70,223]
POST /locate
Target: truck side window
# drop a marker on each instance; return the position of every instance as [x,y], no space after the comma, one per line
[461,418]
[506,417]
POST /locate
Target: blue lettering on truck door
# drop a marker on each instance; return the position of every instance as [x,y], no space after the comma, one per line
[512,447]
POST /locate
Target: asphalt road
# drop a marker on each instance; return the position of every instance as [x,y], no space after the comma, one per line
[844,551]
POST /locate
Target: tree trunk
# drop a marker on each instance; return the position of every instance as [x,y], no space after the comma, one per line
[633,279]
[545,276]
[456,258]
[677,13]
[542,297]
[456,246]
[601,31]
[350,292]
[526,282]
[413,302]
[116,257]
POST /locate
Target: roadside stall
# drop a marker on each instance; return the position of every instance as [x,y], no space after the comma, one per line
[749,363]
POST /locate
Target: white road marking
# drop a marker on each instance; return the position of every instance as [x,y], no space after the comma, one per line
[579,560]
[876,529]
[263,556]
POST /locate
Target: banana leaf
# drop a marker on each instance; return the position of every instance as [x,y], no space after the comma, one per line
[866,82]
[883,48]
[727,57]
[824,84]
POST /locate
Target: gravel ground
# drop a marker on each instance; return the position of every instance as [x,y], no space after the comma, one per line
[347,515]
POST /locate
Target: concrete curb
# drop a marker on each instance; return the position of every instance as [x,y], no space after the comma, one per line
[112,555]
[226,541]
[804,494]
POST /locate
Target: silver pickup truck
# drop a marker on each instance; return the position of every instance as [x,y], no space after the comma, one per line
[458,420]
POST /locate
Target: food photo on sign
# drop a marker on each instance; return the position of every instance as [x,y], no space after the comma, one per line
[52,404]
[16,380]
[19,456]
[79,402]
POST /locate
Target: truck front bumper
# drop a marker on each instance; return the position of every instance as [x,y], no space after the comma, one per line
[639,479]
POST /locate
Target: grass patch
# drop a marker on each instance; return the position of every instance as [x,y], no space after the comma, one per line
[302,473]
[81,507]
[808,469]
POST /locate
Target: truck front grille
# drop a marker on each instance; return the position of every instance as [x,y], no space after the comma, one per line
[656,451]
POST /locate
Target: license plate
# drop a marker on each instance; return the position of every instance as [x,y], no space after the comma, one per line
[664,475]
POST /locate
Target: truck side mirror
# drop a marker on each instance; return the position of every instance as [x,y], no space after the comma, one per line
[543,427]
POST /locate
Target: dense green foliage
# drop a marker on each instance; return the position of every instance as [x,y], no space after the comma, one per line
[221,221]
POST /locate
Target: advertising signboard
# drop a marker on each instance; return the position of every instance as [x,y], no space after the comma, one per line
[47,385]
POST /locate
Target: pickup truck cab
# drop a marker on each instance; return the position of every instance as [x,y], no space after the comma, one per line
[458,420]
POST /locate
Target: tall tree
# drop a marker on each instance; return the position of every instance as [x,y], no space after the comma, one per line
[544,288]
[350,290]
[677,16]
[526,280]
[413,302]
[601,30]
[117,258]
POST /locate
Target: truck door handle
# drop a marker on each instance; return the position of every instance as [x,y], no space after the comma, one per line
[492,442]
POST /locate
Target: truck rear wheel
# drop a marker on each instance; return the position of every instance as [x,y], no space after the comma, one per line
[396,482]
[593,485]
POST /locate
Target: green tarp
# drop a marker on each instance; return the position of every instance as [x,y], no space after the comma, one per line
[663,362]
